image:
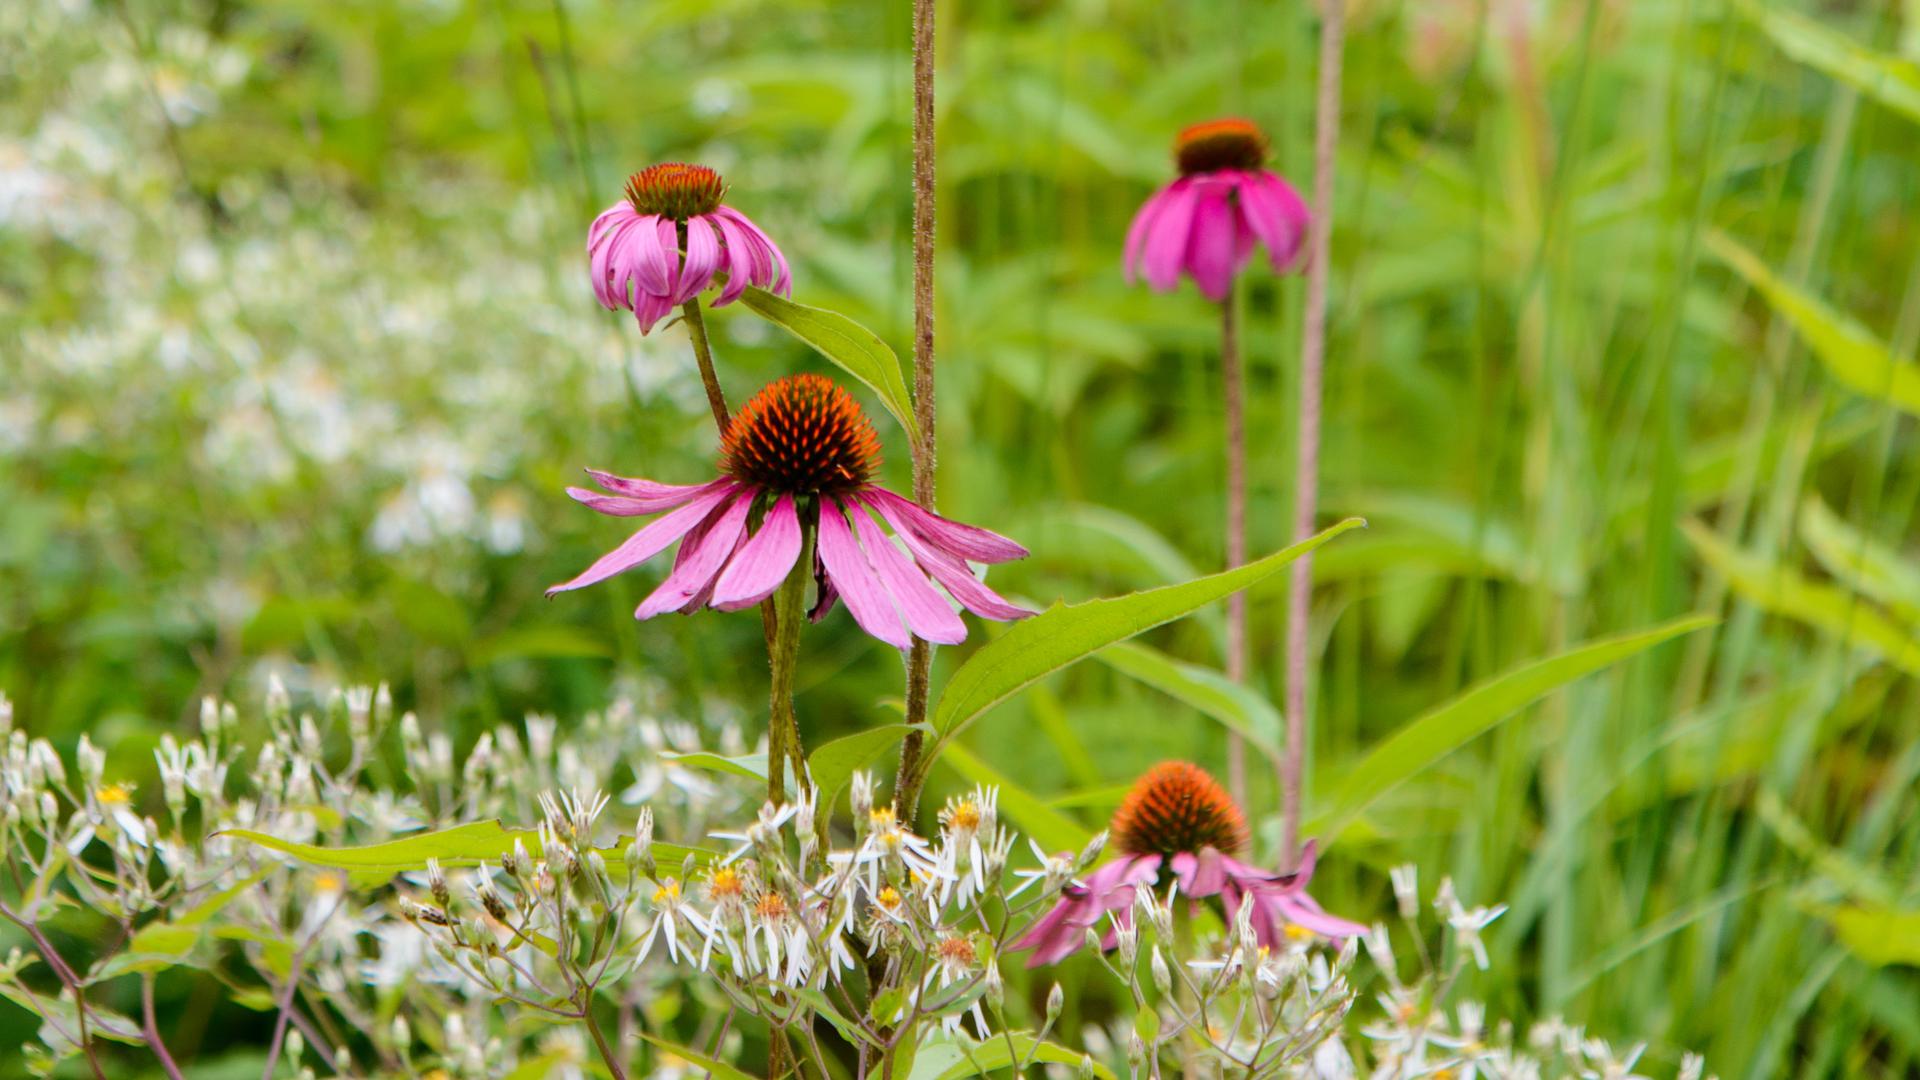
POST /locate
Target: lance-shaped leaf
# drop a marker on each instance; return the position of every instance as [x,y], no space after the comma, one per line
[1238,708]
[1065,633]
[1894,81]
[473,844]
[1849,351]
[1446,729]
[858,350]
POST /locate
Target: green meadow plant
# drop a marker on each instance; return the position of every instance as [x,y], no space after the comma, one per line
[291,403]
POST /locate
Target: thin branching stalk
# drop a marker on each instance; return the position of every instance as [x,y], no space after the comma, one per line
[150,1029]
[1234,399]
[1306,487]
[906,789]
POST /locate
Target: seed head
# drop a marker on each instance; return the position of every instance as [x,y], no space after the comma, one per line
[802,435]
[1177,807]
[676,190]
[1228,143]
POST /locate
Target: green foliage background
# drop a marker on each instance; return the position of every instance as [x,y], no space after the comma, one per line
[298,353]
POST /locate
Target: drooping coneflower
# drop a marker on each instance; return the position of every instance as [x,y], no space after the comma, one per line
[800,458]
[665,242]
[1207,221]
[1179,825]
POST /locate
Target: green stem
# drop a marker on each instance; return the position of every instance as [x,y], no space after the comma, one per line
[783,728]
[703,352]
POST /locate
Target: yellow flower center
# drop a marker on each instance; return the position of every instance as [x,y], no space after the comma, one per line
[888,898]
[114,795]
[667,893]
[963,816]
[725,884]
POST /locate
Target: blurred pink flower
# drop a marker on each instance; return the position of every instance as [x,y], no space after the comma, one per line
[803,454]
[1179,823]
[664,244]
[1207,222]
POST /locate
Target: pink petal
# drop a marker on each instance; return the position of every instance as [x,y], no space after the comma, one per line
[648,542]
[927,613]
[649,309]
[643,257]
[668,235]
[1137,232]
[953,573]
[779,279]
[1277,216]
[641,488]
[702,556]
[952,537]
[703,258]
[1166,245]
[1301,910]
[662,497]
[763,562]
[1204,874]
[738,257]
[1210,243]
[855,580]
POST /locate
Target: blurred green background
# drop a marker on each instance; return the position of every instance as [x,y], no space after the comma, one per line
[299,353]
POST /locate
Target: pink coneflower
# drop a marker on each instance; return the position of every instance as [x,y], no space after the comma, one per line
[800,459]
[1179,824]
[663,245]
[1207,221]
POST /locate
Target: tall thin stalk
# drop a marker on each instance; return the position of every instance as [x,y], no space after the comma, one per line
[1234,397]
[1306,487]
[906,789]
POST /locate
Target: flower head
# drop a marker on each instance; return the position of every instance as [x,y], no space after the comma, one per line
[1207,222]
[800,459]
[668,240]
[1178,827]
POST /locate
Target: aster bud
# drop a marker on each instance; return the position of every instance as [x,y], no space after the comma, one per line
[1406,889]
[996,989]
[861,796]
[296,1045]
[279,702]
[1091,853]
[1092,939]
[1085,1071]
[1162,978]
[1056,1000]
[6,715]
[437,883]
[1136,1050]
[91,762]
[1127,941]
[402,1033]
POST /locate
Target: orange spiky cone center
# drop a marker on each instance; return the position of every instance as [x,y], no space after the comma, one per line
[1229,143]
[802,435]
[1177,807]
[676,190]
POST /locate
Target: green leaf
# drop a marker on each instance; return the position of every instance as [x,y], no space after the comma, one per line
[463,845]
[1877,934]
[992,1055]
[544,642]
[1891,80]
[858,350]
[1780,590]
[714,1066]
[1203,689]
[1849,351]
[751,766]
[886,1008]
[1438,733]
[834,763]
[1862,562]
[1146,1023]
[1035,648]
[1052,829]
[432,615]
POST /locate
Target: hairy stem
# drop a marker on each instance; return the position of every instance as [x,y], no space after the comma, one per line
[912,773]
[703,352]
[1234,394]
[783,729]
[1306,487]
